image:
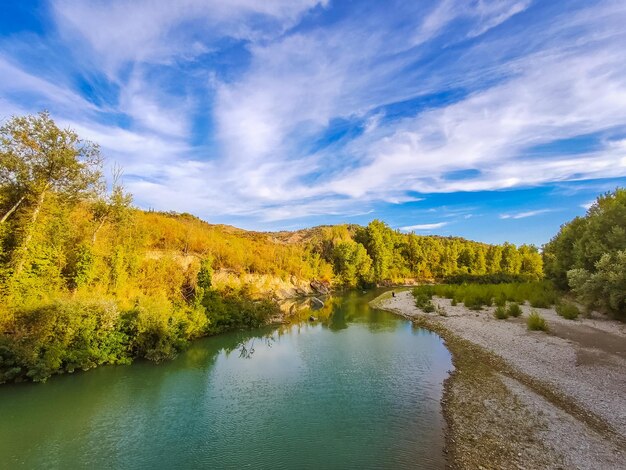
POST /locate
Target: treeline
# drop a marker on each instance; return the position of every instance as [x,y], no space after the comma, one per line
[588,255]
[86,279]
[377,254]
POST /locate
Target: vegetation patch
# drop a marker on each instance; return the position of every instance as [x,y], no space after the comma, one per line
[477,296]
[588,255]
[536,322]
[501,313]
[567,310]
[514,310]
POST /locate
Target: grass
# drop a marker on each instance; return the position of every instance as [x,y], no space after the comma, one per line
[567,310]
[423,301]
[536,322]
[501,313]
[514,310]
[476,296]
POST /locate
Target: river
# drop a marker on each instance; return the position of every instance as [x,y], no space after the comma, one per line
[359,388]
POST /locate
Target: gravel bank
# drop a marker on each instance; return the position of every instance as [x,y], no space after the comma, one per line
[564,392]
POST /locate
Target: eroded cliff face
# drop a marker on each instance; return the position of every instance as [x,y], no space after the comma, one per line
[254,284]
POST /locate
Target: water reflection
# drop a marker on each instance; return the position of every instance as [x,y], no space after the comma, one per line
[358,388]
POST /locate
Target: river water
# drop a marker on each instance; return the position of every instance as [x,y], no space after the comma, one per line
[359,388]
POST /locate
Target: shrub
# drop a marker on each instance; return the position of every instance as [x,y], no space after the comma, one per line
[423,300]
[514,310]
[61,337]
[536,322]
[501,313]
[500,299]
[475,296]
[604,289]
[454,302]
[567,310]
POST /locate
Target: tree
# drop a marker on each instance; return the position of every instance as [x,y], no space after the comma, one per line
[379,245]
[112,207]
[531,261]
[511,260]
[606,287]
[351,264]
[581,243]
[494,258]
[36,158]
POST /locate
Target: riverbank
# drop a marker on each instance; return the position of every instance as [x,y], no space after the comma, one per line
[520,399]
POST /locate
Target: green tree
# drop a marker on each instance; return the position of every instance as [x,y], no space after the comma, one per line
[379,245]
[606,287]
[38,158]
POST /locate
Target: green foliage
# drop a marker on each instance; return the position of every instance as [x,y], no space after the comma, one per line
[587,255]
[235,311]
[501,313]
[423,301]
[351,264]
[567,310]
[499,278]
[536,322]
[514,310]
[605,288]
[204,278]
[476,296]
[61,337]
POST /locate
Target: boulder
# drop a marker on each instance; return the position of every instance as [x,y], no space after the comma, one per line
[320,287]
[316,303]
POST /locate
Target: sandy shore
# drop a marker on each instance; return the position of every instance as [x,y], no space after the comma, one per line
[521,399]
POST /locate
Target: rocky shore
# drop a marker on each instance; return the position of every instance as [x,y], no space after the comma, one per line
[527,400]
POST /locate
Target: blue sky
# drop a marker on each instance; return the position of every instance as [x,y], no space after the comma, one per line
[492,120]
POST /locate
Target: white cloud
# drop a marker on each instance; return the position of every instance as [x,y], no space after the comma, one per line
[555,78]
[523,215]
[423,227]
[122,31]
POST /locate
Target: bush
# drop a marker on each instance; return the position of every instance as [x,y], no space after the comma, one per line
[604,289]
[501,313]
[536,322]
[514,310]
[423,301]
[500,278]
[64,336]
[476,296]
[500,299]
[567,310]
[61,337]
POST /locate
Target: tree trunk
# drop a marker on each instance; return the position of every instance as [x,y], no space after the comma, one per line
[95,232]
[12,209]
[23,249]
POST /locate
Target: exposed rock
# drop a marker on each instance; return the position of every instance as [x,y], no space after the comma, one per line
[316,303]
[320,287]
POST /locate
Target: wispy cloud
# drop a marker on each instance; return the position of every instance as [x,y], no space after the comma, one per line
[423,227]
[282,110]
[523,215]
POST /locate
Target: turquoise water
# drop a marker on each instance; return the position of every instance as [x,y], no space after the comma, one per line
[360,388]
